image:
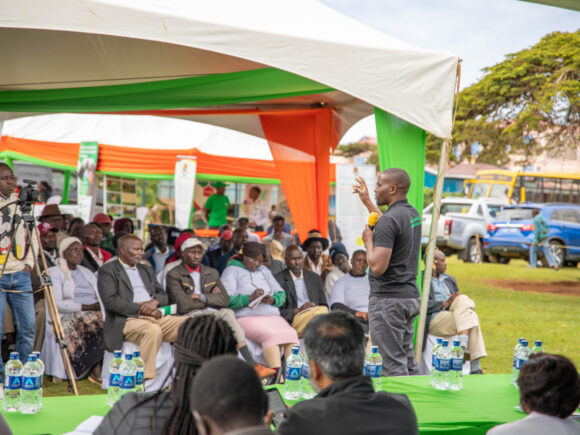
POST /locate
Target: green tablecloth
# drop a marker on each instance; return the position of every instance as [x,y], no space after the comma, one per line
[484,402]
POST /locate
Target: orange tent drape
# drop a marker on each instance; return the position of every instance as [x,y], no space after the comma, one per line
[301,144]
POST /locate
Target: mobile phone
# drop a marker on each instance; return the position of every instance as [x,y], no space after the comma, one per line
[277,405]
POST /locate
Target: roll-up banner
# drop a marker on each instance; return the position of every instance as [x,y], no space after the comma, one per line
[87,178]
[185,170]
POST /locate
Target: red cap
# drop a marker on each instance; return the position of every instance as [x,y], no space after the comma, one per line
[44,228]
[102,218]
[227,235]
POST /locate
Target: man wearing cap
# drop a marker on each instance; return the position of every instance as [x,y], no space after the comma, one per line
[105,222]
[340,266]
[131,296]
[51,215]
[197,290]
[159,253]
[16,263]
[48,242]
[94,255]
[304,292]
[216,207]
[278,233]
[315,260]
[225,245]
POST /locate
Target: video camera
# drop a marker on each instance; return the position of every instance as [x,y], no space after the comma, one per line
[29,195]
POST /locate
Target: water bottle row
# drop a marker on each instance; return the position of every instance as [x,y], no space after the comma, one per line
[297,382]
[23,384]
[125,375]
[522,353]
[447,366]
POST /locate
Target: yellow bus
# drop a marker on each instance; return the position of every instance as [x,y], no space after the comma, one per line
[521,187]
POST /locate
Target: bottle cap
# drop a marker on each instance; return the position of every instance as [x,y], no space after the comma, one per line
[439,340]
[118,353]
[525,343]
[444,343]
[32,357]
[136,354]
[456,343]
[295,350]
[128,357]
[521,339]
[539,343]
[374,349]
[14,355]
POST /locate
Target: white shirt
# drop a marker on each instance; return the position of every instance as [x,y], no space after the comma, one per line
[536,424]
[352,291]
[315,267]
[140,293]
[259,212]
[334,275]
[300,286]
[159,259]
[196,282]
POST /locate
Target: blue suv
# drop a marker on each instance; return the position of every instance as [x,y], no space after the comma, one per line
[510,234]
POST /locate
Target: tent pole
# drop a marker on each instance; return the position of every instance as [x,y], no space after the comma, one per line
[445,145]
[66,187]
[236,204]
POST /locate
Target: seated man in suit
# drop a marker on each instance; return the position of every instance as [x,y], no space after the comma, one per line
[304,292]
[197,290]
[351,292]
[131,296]
[451,312]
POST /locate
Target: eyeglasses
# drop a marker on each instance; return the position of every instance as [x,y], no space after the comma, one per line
[9,178]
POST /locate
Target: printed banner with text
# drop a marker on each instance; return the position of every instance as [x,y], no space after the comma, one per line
[87,178]
[185,170]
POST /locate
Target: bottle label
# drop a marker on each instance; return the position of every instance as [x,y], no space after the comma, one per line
[293,373]
[456,364]
[139,378]
[114,380]
[515,363]
[444,364]
[127,382]
[29,383]
[305,371]
[13,382]
[373,370]
[520,363]
[39,381]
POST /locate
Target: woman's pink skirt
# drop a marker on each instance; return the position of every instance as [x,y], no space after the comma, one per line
[268,330]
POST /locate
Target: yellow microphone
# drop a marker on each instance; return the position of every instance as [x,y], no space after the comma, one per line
[373,218]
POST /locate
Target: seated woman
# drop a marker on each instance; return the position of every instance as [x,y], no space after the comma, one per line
[168,412]
[246,280]
[75,289]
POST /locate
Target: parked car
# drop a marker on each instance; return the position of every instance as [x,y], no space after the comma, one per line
[460,220]
[510,235]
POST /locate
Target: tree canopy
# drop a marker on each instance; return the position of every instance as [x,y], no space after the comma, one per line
[524,105]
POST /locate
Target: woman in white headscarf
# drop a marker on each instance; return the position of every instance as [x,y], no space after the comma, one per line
[75,294]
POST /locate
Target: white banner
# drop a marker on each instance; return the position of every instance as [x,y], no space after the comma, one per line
[351,214]
[185,169]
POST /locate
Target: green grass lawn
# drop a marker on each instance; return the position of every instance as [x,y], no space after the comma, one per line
[504,314]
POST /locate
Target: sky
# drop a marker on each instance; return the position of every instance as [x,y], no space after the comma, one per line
[481,32]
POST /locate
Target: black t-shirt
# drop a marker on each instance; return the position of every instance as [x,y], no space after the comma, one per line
[399,229]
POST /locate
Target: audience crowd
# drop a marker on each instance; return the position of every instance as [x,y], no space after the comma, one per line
[240,296]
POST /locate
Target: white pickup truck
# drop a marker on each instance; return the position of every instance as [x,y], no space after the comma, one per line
[461,219]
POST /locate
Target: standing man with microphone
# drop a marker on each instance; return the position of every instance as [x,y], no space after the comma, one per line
[393,251]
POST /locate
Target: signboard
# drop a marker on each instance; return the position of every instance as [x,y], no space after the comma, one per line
[87,178]
[185,170]
[351,214]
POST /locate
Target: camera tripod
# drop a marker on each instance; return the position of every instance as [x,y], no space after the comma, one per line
[45,284]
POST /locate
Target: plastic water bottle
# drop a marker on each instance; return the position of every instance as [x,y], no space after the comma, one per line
[30,393]
[515,372]
[442,366]
[293,375]
[523,355]
[127,375]
[538,347]
[374,367]
[12,383]
[307,391]
[139,381]
[456,372]
[433,357]
[41,377]
[114,378]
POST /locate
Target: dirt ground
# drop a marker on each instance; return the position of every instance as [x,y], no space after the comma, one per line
[557,287]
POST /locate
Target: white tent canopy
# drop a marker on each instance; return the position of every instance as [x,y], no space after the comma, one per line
[68,43]
[139,131]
